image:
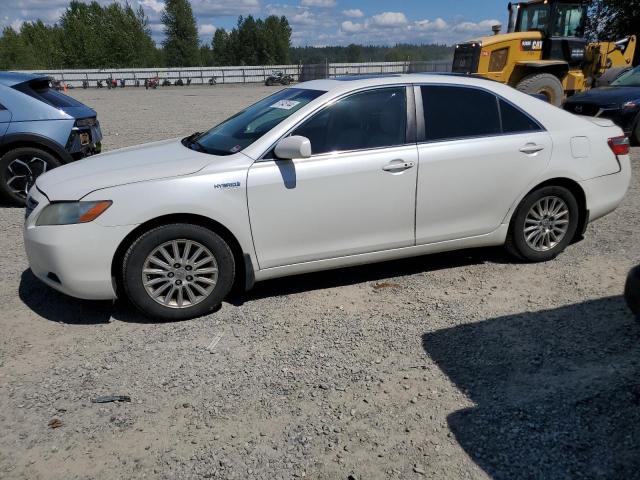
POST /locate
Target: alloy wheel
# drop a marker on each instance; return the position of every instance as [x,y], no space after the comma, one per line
[22,174]
[546,223]
[180,273]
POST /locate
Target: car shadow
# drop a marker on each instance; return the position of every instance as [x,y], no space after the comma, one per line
[557,392]
[57,307]
[370,273]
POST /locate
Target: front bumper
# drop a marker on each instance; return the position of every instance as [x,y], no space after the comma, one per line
[73,259]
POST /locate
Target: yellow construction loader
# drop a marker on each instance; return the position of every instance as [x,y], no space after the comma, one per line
[545,51]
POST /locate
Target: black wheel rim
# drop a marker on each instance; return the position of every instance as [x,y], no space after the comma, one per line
[21,174]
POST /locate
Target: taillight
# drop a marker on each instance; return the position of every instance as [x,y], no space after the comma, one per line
[619,145]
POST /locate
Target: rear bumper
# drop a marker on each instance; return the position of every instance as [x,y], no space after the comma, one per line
[604,194]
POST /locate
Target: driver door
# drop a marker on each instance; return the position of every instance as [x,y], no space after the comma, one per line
[354,195]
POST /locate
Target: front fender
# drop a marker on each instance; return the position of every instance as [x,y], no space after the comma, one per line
[221,197]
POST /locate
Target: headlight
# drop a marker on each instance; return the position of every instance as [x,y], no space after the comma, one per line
[66,213]
[631,105]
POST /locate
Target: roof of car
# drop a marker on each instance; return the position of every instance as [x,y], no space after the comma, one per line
[10,79]
[361,81]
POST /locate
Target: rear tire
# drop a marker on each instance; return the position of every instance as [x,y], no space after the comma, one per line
[177,271]
[545,84]
[543,225]
[19,169]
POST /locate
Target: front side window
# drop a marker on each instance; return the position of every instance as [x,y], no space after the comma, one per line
[247,126]
[371,119]
[452,112]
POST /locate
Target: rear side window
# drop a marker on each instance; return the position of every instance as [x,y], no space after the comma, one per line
[371,119]
[458,112]
[41,90]
[515,121]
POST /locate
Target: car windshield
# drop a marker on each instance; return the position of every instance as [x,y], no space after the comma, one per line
[241,130]
[629,79]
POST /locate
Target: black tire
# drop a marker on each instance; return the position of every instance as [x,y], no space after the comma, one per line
[269,82]
[516,242]
[545,84]
[632,291]
[141,248]
[33,162]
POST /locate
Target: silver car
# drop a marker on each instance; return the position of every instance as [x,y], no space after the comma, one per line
[322,175]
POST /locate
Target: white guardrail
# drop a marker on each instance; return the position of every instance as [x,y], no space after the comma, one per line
[240,74]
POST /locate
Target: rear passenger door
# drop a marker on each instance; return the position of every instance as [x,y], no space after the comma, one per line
[477,153]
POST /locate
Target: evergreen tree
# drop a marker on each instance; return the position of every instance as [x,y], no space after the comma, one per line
[181,46]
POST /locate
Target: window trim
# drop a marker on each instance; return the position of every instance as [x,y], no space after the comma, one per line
[410,133]
[422,131]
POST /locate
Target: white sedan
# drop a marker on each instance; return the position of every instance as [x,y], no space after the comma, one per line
[326,174]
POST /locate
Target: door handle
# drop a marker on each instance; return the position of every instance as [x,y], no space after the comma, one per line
[398,166]
[531,148]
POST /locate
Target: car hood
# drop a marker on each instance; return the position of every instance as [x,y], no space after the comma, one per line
[607,95]
[150,161]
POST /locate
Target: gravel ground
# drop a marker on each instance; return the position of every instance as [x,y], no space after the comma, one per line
[460,365]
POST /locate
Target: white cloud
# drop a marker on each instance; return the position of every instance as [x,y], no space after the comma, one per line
[389,19]
[437,25]
[206,29]
[17,24]
[474,27]
[353,13]
[350,27]
[225,7]
[155,5]
[318,3]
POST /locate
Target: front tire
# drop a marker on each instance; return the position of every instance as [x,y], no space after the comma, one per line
[544,224]
[19,169]
[177,272]
[545,84]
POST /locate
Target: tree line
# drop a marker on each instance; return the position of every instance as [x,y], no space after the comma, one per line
[90,35]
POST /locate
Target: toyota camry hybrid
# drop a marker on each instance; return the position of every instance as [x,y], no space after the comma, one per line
[325,174]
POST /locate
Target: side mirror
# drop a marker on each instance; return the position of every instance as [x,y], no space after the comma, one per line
[293,147]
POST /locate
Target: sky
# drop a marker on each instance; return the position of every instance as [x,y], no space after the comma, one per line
[314,22]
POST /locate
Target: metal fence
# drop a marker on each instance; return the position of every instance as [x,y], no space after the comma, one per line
[241,74]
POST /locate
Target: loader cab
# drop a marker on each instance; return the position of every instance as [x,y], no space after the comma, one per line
[562,24]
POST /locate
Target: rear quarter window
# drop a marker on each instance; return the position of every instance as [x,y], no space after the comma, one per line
[41,90]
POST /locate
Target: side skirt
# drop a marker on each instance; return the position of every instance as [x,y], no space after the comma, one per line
[495,238]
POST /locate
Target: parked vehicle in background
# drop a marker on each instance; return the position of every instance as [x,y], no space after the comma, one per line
[545,50]
[278,78]
[620,102]
[40,129]
[326,174]
[632,291]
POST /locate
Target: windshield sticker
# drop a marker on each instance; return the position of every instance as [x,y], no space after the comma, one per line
[237,148]
[285,104]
